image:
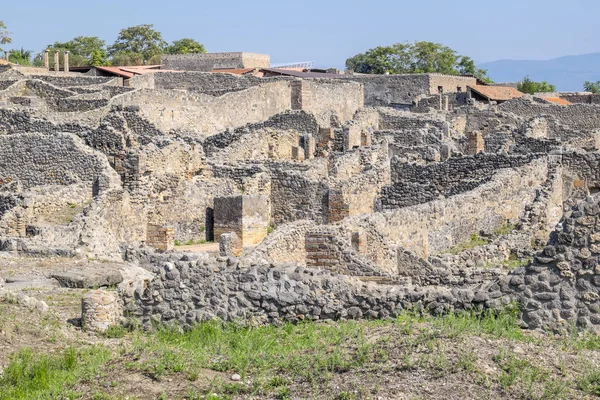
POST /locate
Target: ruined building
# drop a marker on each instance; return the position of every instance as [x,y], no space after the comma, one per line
[325,197]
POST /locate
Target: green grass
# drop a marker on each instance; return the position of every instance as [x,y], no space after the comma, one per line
[40,376]
[273,361]
[505,229]
[475,241]
[190,242]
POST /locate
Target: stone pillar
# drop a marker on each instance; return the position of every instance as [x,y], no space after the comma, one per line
[99,310]
[56,61]
[7,55]
[47,59]
[359,241]
[440,95]
[476,143]
[162,238]
[66,61]
[596,140]
[352,137]
[308,143]
[446,103]
[297,153]
[230,245]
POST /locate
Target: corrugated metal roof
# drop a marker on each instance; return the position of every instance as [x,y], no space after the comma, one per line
[497,93]
[557,100]
[298,74]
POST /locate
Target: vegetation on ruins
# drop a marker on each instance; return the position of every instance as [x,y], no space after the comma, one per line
[83,51]
[531,87]
[487,354]
[138,42]
[20,56]
[4,35]
[185,46]
[418,57]
[593,87]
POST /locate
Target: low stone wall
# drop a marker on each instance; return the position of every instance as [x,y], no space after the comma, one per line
[438,225]
[186,292]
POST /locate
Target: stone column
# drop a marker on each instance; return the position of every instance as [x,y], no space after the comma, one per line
[99,310]
[446,103]
[47,59]
[56,61]
[66,62]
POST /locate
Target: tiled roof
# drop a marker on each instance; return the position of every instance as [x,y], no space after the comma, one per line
[497,93]
[241,71]
[557,100]
[116,71]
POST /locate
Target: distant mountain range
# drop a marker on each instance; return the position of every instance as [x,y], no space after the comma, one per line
[566,73]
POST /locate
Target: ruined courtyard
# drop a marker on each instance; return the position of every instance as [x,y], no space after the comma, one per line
[181,196]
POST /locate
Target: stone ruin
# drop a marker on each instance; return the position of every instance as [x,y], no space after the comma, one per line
[272,199]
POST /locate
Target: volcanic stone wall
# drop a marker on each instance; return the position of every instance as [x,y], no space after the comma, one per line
[35,160]
[416,184]
[582,117]
[435,226]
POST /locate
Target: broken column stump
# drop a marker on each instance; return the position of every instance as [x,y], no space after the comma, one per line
[99,310]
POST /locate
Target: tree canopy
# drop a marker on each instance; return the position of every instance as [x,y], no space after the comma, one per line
[593,87]
[4,35]
[140,40]
[532,87]
[418,57]
[185,46]
[83,51]
[21,57]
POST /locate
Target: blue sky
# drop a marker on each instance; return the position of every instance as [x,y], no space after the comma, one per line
[324,31]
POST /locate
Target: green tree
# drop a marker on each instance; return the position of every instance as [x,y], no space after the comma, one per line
[394,59]
[532,87]
[593,87]
[418,57]
[98,58]
[4,35]
[140,40]
[21,57]
[81,49]
[466,66]
[127,58]
[185,46]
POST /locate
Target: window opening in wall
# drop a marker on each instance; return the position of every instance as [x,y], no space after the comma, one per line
[459,89]
[440,89]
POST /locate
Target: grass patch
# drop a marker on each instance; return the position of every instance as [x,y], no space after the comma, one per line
[476,241]
[505,229]
[37,376]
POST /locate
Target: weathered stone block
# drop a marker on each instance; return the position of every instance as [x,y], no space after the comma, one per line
[99,310]
[230,244]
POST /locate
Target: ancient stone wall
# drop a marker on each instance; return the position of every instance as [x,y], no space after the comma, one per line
[450,83]
[211,61]
[36,160]
[200,114]
[437,225]
[385,90]
[444,179]
[582,117]
[337,95]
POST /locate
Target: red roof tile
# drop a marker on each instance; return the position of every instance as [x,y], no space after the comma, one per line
[557,100]
[495,93]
